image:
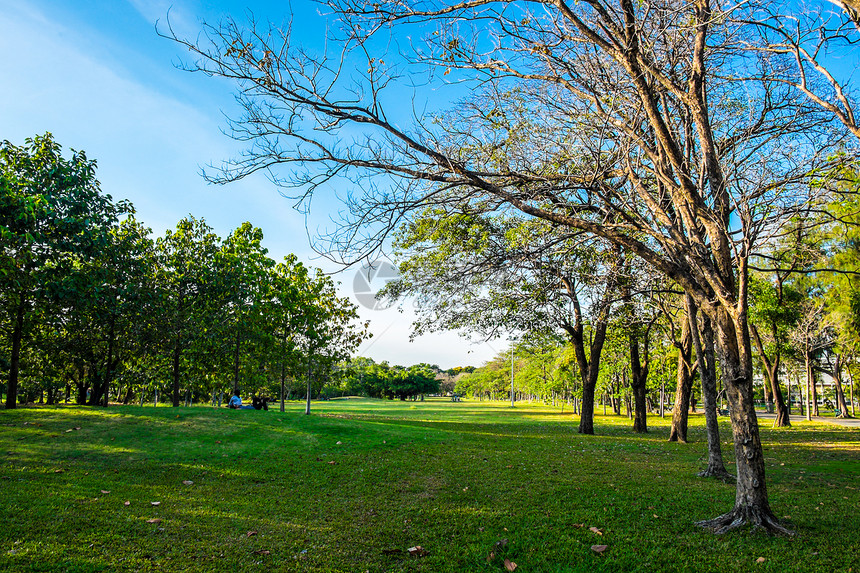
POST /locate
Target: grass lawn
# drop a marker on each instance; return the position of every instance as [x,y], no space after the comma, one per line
[353,486]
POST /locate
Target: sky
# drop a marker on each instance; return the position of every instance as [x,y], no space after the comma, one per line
[97,76]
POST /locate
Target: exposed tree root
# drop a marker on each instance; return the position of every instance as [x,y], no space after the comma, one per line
[717,472]
[745,515]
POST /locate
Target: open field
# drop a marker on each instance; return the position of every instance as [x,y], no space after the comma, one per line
[354,485]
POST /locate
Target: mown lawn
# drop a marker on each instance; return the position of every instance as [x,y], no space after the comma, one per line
[353,486]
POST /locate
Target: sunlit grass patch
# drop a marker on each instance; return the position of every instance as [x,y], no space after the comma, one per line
[353,486]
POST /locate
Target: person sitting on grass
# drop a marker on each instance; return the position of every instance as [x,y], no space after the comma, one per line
[260,403]
[236,403]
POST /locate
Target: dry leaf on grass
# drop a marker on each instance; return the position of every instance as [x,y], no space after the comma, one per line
[188,482]
[599,548]
[155,503]
[595,530]
[126,503]
[105,492]
[417,551]
[510,565]
[250,533]
[262,552]
[491,556]
[760,560]
[154,520]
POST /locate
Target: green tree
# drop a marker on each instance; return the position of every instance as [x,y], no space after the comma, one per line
[188,292]
[53,219]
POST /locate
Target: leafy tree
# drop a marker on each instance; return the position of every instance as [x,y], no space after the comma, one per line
[244,274]
[188,291]
[53,219]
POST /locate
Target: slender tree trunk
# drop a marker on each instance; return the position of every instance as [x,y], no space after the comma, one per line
[841,404]
[771,376]
[851,382]
[15,361]
[109,363]
[703,341]
[683,390]
[751,500]
[638,378]
[308,399]
[177,352]
[236,362]
[810,380]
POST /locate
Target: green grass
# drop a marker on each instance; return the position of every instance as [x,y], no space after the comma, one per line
[454,478]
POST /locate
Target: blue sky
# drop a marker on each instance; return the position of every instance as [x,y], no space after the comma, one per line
[96,75]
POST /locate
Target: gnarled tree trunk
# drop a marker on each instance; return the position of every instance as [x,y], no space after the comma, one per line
[683,390]
[703,341]
[751,501]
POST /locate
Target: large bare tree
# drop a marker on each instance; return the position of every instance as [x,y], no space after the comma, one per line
[660,127]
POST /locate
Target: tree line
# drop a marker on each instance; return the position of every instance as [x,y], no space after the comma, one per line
[97,309]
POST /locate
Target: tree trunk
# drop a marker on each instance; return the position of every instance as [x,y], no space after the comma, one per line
[771,376]
[177,352]
[638,378]
[308,399]
[236,363]
[15,362]
[678,431]
[812,392]
[703,341]
[841,403]
[751,500]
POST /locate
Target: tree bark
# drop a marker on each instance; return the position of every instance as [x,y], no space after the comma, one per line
[751,501]
[638,379]
[683,390]
[812,389]
[177,352]
[15,362]
[236,362]
[771,375]
[841,404]
[703,341]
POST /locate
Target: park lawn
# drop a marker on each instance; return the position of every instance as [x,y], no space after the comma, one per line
[353,486]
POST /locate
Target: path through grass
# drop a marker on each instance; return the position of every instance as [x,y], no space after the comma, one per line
[354,485]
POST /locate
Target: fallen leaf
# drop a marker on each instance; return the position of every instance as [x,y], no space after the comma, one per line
[417,551]
[217,441]
[510,565]
[127,503]
[78,428]
[156,503]
[188,482]
[599,548]
[59,471]
[656,516]
[597,531]
[339,443]
[69,430]
[154,520]
[250,533]
[104,491]
[491,556]
[331,463]
[263,552]
[760,560]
